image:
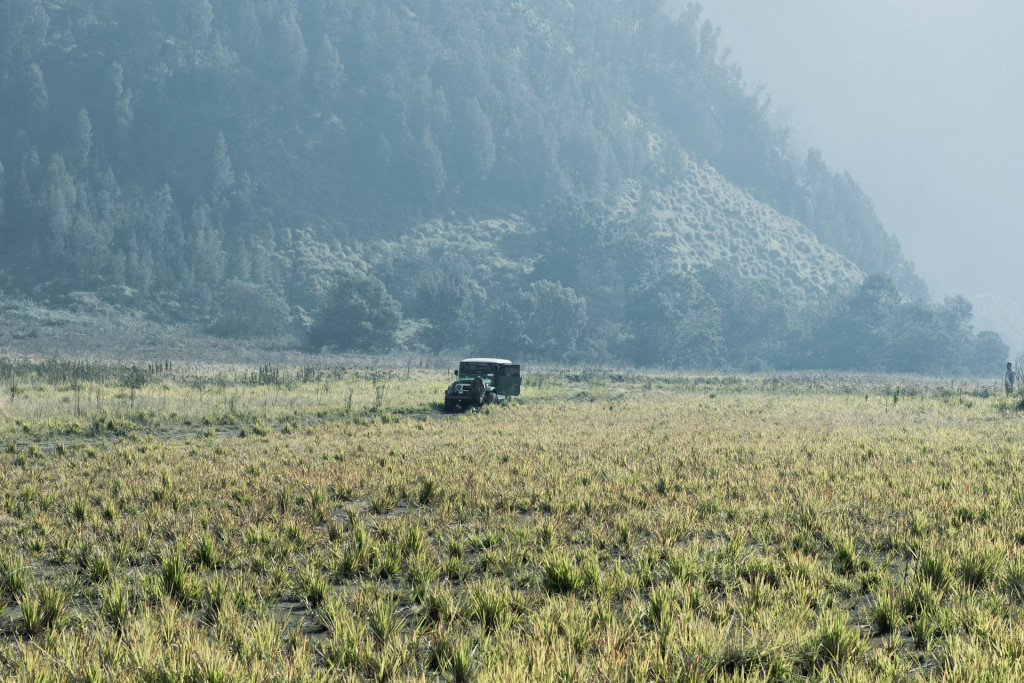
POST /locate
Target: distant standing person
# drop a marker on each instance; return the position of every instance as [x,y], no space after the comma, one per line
[1010,379]
[478,390]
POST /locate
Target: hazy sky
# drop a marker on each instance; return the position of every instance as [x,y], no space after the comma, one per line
[921,101]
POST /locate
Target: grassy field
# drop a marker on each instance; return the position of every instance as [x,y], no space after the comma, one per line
[297,523]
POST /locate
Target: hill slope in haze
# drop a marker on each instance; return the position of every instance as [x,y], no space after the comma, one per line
[558,180]
[702,220]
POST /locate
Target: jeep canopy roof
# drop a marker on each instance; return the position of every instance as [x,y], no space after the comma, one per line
[484,367]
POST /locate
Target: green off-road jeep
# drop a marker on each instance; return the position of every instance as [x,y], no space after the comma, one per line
[480,381]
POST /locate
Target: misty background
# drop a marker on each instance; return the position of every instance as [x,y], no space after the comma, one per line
[920,100]
[594,182]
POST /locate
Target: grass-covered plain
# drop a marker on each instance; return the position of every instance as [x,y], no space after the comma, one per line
[327,523]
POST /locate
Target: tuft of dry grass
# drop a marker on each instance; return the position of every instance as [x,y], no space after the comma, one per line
[607,526]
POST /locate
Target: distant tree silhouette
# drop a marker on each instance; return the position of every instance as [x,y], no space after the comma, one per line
[358,315]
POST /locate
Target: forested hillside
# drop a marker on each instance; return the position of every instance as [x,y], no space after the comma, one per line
[544,179]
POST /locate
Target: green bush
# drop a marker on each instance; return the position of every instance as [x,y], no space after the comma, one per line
[358,315]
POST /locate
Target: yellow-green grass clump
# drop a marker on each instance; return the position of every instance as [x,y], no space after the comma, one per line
[604,527]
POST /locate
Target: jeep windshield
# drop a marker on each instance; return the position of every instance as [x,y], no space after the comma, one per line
[482,369]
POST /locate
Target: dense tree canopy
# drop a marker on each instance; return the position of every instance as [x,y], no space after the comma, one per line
[217,162]
[357,315]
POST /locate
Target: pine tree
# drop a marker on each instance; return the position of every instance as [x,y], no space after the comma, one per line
[223,174]
[122,97]
[59,196]
[81,146]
